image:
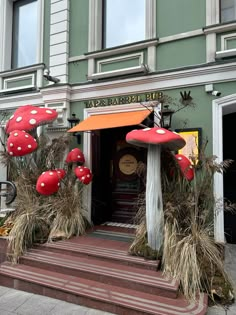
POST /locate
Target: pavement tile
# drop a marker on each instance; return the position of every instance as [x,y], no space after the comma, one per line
[4,290]
[64,308]
[13,299]
[37,305]
[4,312]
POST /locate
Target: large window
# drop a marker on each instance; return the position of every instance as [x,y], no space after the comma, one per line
[228,10]
[123,22]
[24,33]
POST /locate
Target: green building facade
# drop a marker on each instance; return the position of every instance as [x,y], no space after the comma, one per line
[95,57]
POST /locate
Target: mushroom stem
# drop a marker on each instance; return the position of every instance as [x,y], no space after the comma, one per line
[154,205]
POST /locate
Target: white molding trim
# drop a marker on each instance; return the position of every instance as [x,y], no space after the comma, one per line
[212,12]
[221,28]
[107,61]
[77,58]
[225,53]
[210,47]
[123,71]
[169,80]
[87,141]
[122,49]
[150,17]
[225,38]
[59,34]
[18,79]
[95,25]
[179,36]
[220,107]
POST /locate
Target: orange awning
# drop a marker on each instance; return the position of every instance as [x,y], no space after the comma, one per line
[112,120]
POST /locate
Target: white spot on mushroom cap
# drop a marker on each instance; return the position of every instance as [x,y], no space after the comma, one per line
[18,119]
[160,131]
[32,121]
[26,136]
[15,134]
[11,144]
[191,166]
[29,146]
[180,158]
[34,112]
[50,173]
[11,117]
[88,175]
[19,148]
[48,111]
[11,153]
[42,184]
[146,129]
[83,178]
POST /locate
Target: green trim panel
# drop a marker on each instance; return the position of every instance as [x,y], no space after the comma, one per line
[78,71]
[181,53]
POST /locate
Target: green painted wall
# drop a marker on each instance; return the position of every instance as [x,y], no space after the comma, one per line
[180,16]
[79,13]
[181,53]
[78,71]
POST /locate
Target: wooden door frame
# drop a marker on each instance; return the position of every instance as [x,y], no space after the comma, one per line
[87,142]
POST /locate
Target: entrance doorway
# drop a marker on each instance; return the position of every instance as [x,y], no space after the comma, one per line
[116,186]
[229,152]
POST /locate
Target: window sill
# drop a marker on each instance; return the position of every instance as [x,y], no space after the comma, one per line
[220,28]
[121,49]
[226,53]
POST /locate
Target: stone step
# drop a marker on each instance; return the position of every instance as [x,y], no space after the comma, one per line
[148,281]
[106,297]
[99,253]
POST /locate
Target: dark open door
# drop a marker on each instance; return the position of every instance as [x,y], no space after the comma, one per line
[116,186]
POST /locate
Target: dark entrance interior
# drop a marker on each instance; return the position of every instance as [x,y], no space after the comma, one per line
[229,152]
[116,186]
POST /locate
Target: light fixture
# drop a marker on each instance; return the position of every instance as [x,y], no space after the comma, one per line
[166,116]
[73,120]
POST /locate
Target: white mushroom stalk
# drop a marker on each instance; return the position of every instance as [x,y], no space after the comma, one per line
[154,204]
[154,139]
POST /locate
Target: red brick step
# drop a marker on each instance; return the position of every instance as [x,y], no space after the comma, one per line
[94,294]
[148,281]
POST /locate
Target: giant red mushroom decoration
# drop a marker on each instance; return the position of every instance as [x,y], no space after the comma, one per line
[84,174]
[20,143]
[75,156]
[29,117]
[185,166]
[48,183]
[154,139]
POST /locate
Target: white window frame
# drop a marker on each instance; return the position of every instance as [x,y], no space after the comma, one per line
[6,20]
[95,23]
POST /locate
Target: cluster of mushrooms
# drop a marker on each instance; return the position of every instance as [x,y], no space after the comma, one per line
[21,143]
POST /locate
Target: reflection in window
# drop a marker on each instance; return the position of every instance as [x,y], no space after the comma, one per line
[228,10]
[24,35]
[124,22]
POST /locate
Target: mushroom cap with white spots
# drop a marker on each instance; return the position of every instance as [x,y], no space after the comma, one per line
[48,183]
[29,117]
[156,136]
[185,166]
[75,156]
[84,174]
[20,143]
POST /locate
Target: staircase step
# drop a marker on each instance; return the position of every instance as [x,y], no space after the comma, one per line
[148,281]
[94,294]
[99,253]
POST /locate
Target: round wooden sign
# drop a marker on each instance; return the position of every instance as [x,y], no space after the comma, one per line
[128,164]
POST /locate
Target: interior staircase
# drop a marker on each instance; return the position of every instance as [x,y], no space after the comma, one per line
[96,271]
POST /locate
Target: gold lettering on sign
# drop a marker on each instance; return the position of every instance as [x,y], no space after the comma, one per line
[128,164]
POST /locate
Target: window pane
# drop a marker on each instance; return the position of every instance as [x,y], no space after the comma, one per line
[24,37]
[124,22]
[228,10]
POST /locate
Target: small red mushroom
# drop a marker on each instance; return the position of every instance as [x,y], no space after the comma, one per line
[84,174]
[185,166]
[154,139]
[60,172]
[20,143]
[29,117]
[48,183]
[74,156]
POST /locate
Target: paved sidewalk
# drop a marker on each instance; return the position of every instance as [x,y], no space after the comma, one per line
[14,302]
